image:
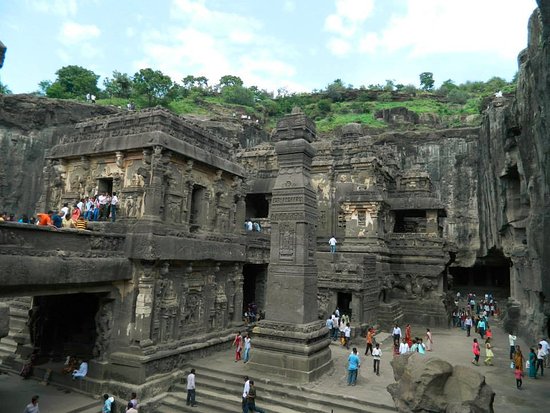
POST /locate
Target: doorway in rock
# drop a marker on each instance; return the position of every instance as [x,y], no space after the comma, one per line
[489,274]
[257,206]
[64,325]
[254,286]
[105,185]
[344,303]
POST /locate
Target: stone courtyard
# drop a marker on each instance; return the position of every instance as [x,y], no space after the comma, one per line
[418,215]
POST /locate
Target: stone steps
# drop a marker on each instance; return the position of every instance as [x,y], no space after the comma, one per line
[220,391]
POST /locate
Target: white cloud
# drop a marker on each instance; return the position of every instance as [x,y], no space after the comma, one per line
[63,8]
[339,47]
[346,23]
[493,26]
[289,6]
[202,41]
[369,43]
[73,33]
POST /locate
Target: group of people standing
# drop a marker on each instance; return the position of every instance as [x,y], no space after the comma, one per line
[339,327]
[537,359]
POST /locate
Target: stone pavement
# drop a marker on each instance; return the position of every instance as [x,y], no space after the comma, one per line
[16,393]
[451,345]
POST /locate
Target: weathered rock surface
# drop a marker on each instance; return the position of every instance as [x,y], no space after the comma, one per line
[29,126]
[427,384]
[4,320]
[514,185]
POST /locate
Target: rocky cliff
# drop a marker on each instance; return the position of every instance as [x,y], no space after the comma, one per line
[28,127]
[514,185]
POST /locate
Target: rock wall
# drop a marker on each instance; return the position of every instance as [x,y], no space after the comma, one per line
[28,127]
[514,186]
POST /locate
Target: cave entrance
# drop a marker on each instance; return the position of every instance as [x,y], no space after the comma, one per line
[343,301]
[64,325]
[410,220]
[489,274]
[254,286]
[257,206]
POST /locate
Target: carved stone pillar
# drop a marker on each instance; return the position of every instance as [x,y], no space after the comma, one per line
[144,304]
[154,190]
[237,303]
[291,305]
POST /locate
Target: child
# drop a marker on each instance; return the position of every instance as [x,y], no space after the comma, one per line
[488,354]
[518,374]
[476,351]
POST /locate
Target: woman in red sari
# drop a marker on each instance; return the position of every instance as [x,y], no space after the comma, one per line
[238,343]
[408,335]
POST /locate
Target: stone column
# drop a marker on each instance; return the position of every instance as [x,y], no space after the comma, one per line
[431,222]
[144,305]
[154,190]
[292,342]
[238,280]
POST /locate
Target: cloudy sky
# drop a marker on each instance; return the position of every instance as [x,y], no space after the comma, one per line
[300,45]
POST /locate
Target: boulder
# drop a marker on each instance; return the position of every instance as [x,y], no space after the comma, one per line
[429,384]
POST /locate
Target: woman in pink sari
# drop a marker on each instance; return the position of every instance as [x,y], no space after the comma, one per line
[238,343]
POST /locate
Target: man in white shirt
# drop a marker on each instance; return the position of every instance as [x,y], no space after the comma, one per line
[332,242]
[546,349]
[246,389]
[114,205]
[403,347]
[102,206]
[191,389]
[347,335]
[396,333]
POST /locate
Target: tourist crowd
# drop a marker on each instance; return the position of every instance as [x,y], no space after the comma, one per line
[97,208]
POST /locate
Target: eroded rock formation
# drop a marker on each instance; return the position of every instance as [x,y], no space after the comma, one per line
[428,384]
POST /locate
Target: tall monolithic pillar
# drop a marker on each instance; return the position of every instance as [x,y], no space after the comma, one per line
[291,341]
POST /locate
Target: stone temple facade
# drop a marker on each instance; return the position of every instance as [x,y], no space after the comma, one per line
[419,212]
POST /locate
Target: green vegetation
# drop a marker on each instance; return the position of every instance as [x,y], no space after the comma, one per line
[335,105]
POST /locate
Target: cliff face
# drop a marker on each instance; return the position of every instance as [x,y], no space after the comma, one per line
[514,185]
[28,127]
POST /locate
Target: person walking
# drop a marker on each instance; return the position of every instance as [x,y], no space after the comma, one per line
[518,373]
[396,334]
[481,326]
[370,337]
[353,366]
[532,363]
[246,389]
[191,389]
[468,323]
[247,346]
[108,404]
[488,354]
[408,335]
[332,242]
[347,335]
[476,350]
[540,360]
[429,340]
[546,348]
[518,358]
[238,343]
[512,341]
[377,355]
[251,399]
[32,407]
[130,408]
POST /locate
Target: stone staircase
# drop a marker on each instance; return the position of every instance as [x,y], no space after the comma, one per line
[219,391]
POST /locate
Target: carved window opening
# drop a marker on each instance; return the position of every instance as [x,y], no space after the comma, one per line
[410,221]
[257,206]
[517,206]
[198,207]
[105,185]
[362,218]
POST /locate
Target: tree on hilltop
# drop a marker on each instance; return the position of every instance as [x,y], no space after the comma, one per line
[73,82]
[119,86]
[427,80]
[152,84]
[4,89]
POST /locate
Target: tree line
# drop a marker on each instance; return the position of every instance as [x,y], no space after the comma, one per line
[149,87]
